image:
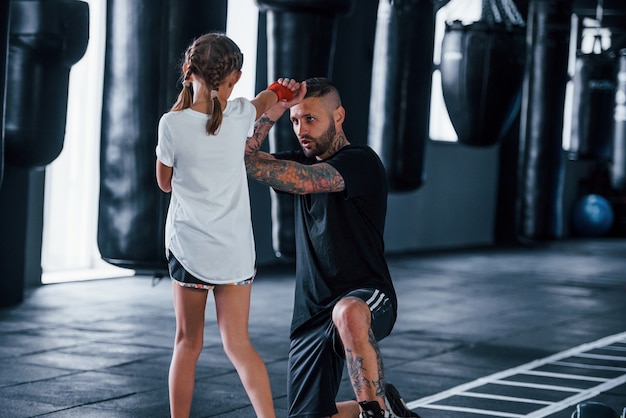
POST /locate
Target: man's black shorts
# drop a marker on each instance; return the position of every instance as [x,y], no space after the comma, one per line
[316,358]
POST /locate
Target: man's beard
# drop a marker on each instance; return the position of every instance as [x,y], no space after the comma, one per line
[321,144]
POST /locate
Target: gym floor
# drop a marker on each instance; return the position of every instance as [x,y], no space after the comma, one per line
[514,332]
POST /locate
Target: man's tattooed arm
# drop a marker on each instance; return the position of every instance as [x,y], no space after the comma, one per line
[261,129]
[284,175]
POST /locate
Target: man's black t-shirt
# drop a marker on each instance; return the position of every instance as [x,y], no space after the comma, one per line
[339,236]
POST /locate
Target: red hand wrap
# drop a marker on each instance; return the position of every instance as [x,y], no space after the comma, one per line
[281,91]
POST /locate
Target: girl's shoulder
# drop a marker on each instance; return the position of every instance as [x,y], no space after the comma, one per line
[239,106]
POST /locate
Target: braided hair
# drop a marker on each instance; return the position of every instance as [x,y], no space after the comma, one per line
[211,57]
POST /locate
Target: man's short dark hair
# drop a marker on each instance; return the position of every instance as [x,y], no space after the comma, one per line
[319,87]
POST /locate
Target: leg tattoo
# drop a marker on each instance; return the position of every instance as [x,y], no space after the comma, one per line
[379,383]
[357,370]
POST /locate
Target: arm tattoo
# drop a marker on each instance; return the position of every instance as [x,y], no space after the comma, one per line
[287,176]
[261,129]
[291,177]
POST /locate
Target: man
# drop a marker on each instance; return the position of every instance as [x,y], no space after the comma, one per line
[344,298]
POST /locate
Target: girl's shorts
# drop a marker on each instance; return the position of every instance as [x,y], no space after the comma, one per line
[183,278]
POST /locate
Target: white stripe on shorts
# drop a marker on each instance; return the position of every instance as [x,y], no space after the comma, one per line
[376,300]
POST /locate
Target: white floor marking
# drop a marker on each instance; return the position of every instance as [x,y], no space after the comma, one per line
[564,376]
[502,398]
[580,352]
[589,366]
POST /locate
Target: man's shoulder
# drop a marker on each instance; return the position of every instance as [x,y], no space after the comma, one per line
[362,153]
[357,149]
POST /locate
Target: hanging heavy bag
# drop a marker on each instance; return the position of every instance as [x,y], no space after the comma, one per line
[482,70]
[401,86]
[46,39]
[300,38]
[618,159]
[594,92]
[145,41]
[5,6]
[541,171]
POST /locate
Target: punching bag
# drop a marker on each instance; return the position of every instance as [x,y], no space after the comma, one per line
[300,44]
[618,159]
[401,86]
[46,39]
[5,7]
[482,69]
[541,126]
[594,92]
[145,43]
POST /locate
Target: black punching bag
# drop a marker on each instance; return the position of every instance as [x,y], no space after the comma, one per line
[594,92]
[618,163]
[541,126]
[401,85]
[5,7]
[482,69]
[46,39]
[145,44]
[300,44]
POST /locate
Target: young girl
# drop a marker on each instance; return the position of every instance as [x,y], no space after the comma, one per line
[208,232]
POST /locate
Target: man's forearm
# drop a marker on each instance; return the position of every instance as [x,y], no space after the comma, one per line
[261,129]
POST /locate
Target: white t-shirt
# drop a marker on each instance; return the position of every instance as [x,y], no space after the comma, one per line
[209,225]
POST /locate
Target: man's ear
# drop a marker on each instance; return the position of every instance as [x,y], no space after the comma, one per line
[339,115]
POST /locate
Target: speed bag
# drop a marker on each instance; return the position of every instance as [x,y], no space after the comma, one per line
[482,71]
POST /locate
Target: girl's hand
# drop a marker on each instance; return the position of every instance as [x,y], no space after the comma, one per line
[298,89]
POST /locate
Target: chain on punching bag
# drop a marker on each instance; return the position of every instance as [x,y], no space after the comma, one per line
[482,69]
[401,85]
[144,46]
[300,40]
[618,163]
[46,39]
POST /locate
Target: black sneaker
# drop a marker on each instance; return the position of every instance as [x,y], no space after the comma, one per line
[395,404]
[372,409]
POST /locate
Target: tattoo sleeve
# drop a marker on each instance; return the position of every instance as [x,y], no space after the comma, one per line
[287,176]
[261,128]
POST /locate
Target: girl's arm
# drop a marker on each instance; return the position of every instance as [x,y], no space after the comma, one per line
[283,89]
[164,176]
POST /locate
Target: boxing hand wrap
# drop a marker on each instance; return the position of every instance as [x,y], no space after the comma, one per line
[281,91]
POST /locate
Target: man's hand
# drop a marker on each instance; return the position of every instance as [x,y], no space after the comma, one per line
[299,91]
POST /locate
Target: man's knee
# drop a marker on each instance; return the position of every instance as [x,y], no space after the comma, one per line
[352,315]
